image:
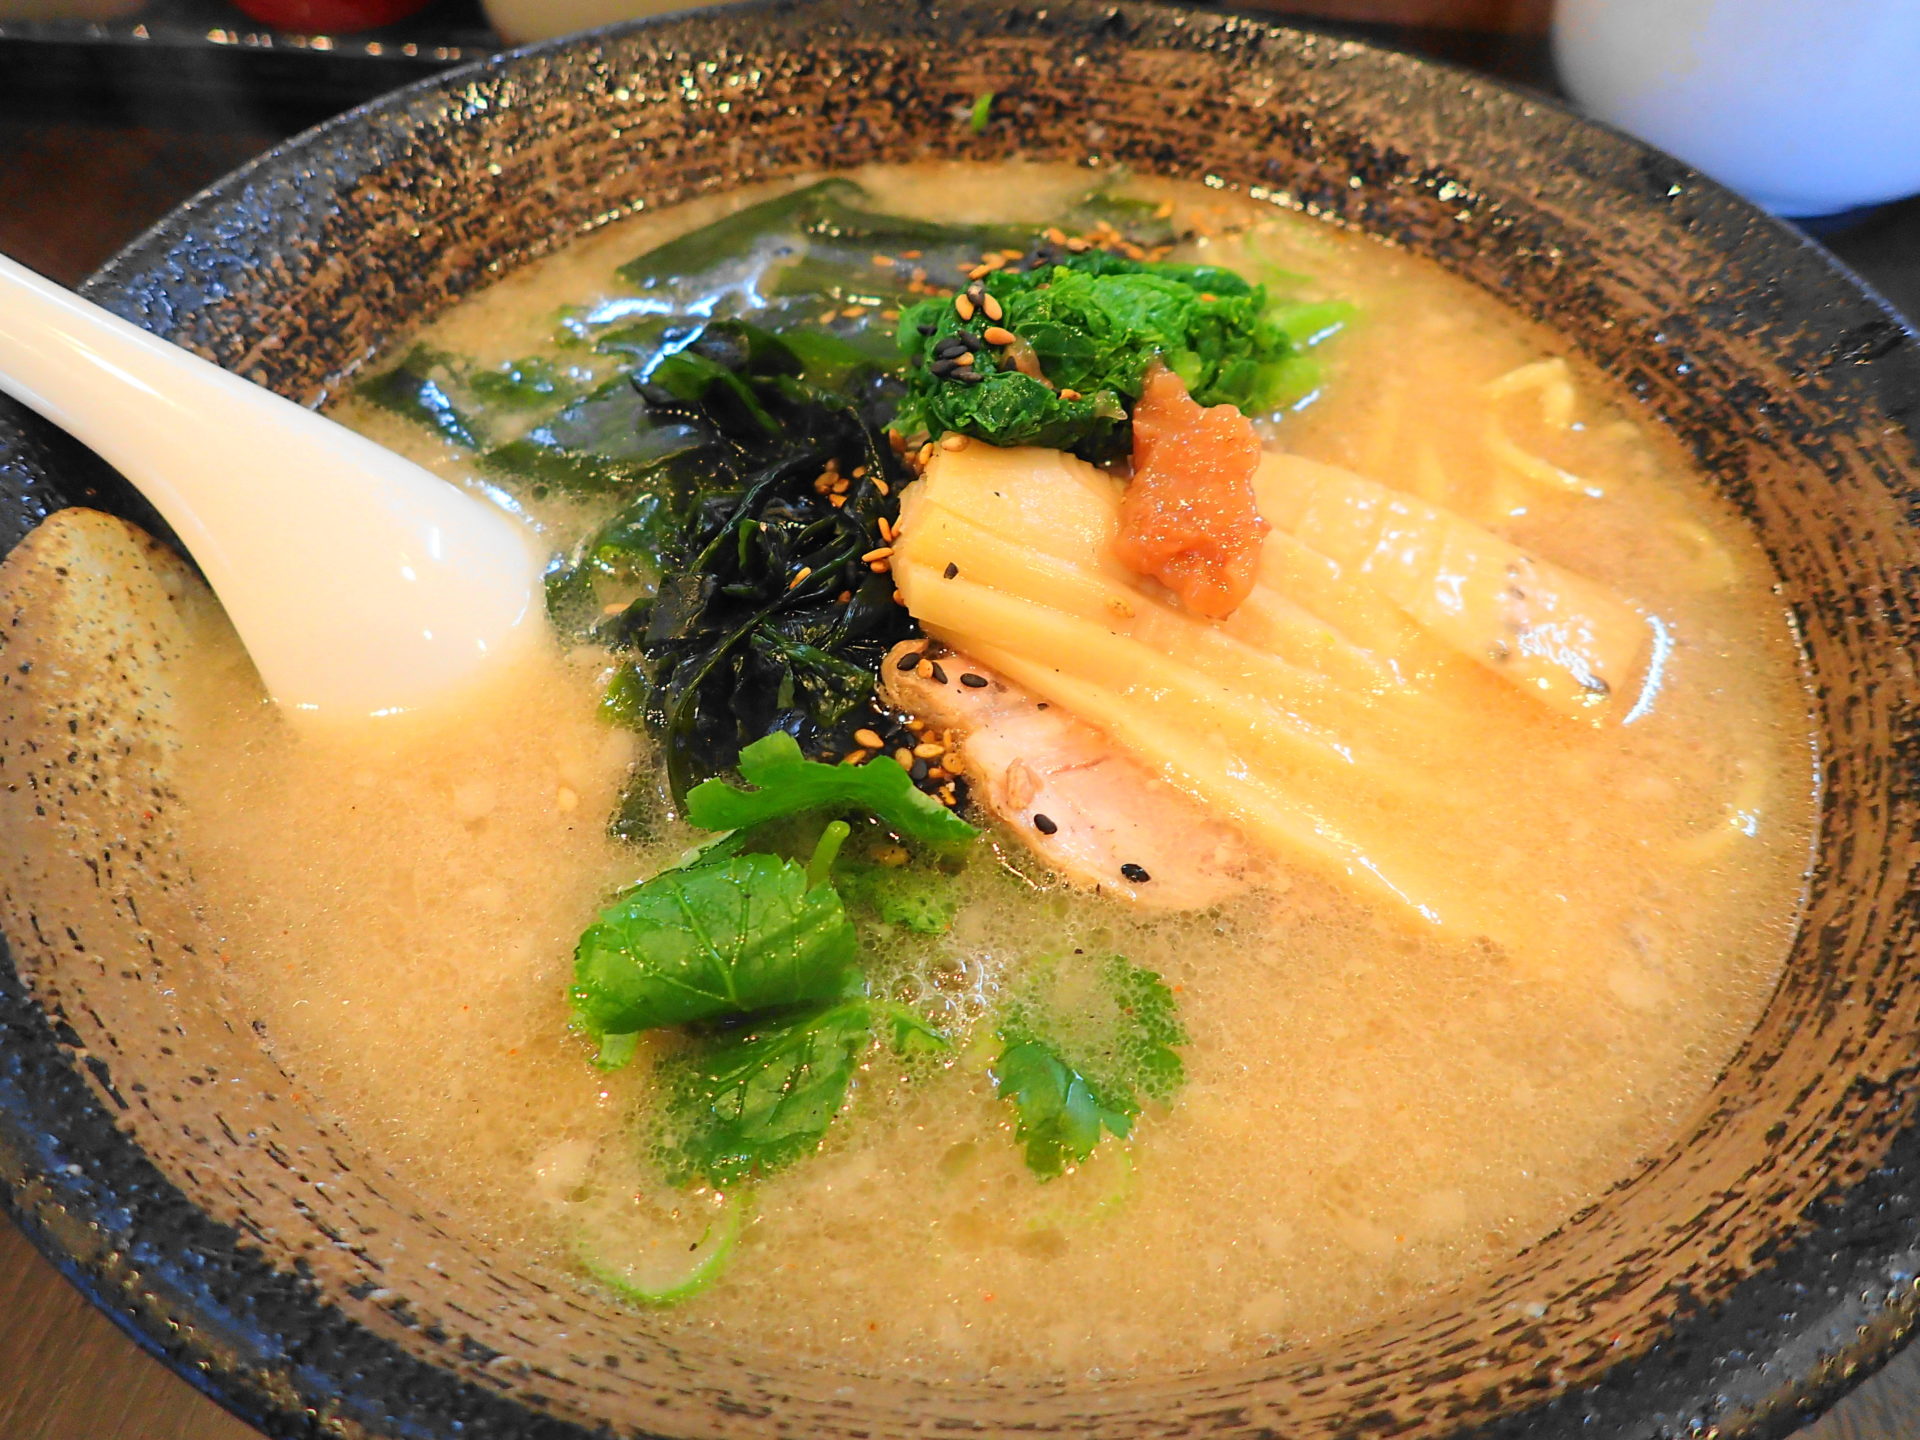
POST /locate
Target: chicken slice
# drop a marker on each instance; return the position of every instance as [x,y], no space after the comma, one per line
[1080,804]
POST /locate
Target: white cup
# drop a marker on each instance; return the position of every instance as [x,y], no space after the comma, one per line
[1808,107]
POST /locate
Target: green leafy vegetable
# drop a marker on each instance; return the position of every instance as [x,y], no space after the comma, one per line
[1093,323]
[1061,1112]
[741,1105]
[616,565]
[606,442]
[647,338]
[826,224]
[745,1104]
[523,385]
[765,618]
[1081,1046]
[921,898]
[785,783]
[736,236]
[1141,221]
[455,398]
[617,1051]
[422,388]
[573,436]
[659,1254]
[728,937]
[908,1032]
[981,113]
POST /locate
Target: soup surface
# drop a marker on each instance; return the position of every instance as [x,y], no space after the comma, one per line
[1372,1107]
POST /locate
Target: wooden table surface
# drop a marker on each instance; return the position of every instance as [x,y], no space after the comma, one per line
[82,174]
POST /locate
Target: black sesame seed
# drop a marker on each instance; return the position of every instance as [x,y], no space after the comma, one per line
[974,682]
[928,329]
[1136,873]
[909,660]
[1044,825]
[939,675]
[951,571]
[919,771]
[1041,706]
[969,375]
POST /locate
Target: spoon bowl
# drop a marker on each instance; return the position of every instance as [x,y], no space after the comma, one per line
[360,583]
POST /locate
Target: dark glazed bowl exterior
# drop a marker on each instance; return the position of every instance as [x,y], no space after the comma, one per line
[1739,1281]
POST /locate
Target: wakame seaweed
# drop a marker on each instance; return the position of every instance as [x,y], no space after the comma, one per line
[826,225]
[764,617]
[425,387]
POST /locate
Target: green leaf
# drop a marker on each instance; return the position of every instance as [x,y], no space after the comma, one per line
[1095,322]
[828,276]
[738,643]
[1081,1044]
[603,442]
[829,362]
[743,1105]
[736,236]
[694,379]
[909,1032]
[726,938]
[1061,1115]
[1310,322]
[1147,1035]
[659,1258]
[522,385]
[1137,218]
[785,783]
[422,388]
[981,113]
[920,898]
[645,339]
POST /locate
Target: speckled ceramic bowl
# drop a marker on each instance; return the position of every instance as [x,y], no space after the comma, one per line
[1739,1281]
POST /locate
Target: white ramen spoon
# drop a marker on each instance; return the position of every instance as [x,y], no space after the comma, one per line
[360,583]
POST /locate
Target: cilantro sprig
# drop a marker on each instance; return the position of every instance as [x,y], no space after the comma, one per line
[1079,1051]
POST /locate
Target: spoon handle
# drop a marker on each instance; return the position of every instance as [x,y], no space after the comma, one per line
[358,581]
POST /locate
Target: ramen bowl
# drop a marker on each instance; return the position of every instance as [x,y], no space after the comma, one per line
[1740,1279]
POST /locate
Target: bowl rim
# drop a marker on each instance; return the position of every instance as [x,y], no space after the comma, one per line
[183,1288]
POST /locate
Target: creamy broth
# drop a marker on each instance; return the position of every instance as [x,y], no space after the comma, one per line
[1370,1112]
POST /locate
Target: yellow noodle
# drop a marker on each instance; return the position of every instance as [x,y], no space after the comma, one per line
[1523,462]
[1550,380]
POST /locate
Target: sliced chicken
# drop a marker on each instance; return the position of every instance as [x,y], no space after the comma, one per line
[1080,804]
